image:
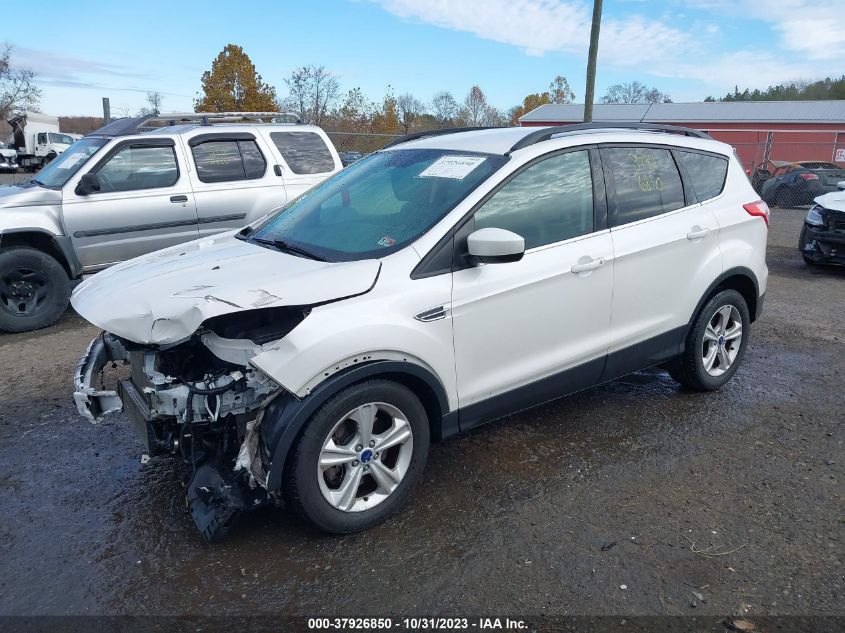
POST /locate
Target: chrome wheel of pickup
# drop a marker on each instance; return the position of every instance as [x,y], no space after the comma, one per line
[365,457]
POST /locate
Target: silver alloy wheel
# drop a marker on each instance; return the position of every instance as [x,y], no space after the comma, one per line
[722,340]
[365,457]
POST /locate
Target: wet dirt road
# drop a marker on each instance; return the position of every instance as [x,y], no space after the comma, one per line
[736,495]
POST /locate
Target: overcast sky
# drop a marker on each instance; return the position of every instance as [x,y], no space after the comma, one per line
[83,51]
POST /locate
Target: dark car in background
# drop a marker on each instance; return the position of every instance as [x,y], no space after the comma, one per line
[798,184]
[822,238]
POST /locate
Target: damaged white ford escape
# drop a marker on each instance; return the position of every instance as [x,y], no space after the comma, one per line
[447,280]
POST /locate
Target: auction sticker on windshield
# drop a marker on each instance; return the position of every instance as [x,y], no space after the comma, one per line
[455,167]
[71,160]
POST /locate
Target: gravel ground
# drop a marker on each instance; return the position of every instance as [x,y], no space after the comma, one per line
[621,500]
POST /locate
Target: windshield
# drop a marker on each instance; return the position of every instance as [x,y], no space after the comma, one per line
[66,164]
[377,205]
[55,137]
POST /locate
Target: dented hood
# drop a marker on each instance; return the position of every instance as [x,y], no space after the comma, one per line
[164,297]
[835,200]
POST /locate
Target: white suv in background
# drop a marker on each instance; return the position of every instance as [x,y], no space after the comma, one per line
[442,282]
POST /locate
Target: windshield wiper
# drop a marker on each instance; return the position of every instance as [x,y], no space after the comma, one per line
[290,248]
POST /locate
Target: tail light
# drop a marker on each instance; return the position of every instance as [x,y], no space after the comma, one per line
[808,176]
[758,209]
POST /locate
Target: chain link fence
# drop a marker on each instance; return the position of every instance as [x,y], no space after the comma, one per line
[355,145]
[789,168]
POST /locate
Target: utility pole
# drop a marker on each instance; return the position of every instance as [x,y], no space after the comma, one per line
[106,111]
[589,94]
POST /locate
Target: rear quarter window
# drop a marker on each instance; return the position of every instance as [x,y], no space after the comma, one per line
[304,152]
[707,173]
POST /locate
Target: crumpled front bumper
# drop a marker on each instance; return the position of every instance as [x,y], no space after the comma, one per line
[93,402]
[823,245]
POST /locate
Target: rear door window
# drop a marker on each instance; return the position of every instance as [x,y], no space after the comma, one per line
[707,173]
[304,152]
[646,181]
[228,160]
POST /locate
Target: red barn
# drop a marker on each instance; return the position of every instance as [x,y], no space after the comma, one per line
[759,130]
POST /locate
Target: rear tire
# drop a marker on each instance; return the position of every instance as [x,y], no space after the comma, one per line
[715,344]
[365,461]
[34,289]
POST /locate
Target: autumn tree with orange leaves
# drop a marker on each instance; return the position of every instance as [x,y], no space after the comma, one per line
[233,85]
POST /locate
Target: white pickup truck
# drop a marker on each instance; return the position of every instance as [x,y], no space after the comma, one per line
[141,184]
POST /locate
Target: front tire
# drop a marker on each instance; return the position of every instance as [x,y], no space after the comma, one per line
[34,289]
[359,457]
[715,345]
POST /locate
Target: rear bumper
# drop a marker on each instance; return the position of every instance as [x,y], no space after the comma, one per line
[93,402]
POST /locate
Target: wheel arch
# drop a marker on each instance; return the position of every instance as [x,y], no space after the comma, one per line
[741,279]
[285,417]
[58,247]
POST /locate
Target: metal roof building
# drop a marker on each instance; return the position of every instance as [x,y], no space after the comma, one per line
[759,130]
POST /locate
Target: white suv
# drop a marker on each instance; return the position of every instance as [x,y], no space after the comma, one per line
[445,281]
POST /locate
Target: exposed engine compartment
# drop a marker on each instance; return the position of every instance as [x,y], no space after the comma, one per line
[187,402]
[198,400]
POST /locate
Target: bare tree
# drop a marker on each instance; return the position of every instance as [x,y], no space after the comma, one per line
[444,108]
[408,108]
[325,89]
[493,117]
[298,89]
[154,100]
[17,86]
[312,92]
[559,91]
[475,106]
[634,92]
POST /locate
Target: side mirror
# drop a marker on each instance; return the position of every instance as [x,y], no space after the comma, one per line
[88,184]
[495,246]
[841,185]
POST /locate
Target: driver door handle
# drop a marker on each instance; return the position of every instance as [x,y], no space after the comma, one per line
[697,233]
[178,198]
[586,266]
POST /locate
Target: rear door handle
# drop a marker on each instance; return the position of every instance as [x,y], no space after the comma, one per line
[698,233]
[178,198]
[587,266]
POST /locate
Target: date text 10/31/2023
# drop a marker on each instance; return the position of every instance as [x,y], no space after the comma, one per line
[417,624]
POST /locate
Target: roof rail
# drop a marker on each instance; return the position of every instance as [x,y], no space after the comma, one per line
[209,118]
[427,133]
[545,133]
[136,125]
